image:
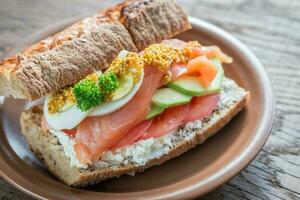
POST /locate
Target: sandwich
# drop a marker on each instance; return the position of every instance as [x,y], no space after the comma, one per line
[114,94]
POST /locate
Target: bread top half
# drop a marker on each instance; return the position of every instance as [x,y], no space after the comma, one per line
[88,45]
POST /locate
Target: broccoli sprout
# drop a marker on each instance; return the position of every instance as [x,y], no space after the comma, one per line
[87,94]
[108,83]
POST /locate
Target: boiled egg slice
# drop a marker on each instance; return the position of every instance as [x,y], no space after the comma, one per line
[68,119]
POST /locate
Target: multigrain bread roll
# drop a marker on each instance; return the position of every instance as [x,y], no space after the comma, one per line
[89,45]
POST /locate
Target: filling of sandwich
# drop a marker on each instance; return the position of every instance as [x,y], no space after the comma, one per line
[139,97]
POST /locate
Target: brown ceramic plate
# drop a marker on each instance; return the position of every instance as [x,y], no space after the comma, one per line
[193,174]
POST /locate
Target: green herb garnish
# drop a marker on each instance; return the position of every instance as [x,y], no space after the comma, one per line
[108,83]
[90,93]
[87,94]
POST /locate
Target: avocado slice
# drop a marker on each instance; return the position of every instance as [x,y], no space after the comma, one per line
[188,85]
[216,84]
[167,97]
[155,110]
[191,86]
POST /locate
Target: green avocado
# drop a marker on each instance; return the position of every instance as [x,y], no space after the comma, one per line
[216,84]
[167,97]
[155,110]
[188,85]
[191,86]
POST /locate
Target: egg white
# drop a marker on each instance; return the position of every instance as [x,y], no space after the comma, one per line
[68,119]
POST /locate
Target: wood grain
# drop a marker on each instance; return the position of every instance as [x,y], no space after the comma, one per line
[271,28]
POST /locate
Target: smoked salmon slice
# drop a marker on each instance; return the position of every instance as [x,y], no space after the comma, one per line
[203,68]
[134,134]
[98,134]
[169,120]
[201,107]
[177,70]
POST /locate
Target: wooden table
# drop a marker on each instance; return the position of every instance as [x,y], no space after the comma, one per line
[271,28]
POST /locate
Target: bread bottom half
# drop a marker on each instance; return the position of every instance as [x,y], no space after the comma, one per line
[49,150]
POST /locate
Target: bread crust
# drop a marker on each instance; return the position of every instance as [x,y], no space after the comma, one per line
[149,20]
[88,45]
[47,148]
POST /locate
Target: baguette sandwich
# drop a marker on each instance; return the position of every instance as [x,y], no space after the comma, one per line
[120,95]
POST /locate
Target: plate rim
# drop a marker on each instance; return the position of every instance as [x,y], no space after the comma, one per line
[221,176]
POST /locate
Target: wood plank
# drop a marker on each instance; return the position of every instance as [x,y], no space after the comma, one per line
[270,28]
